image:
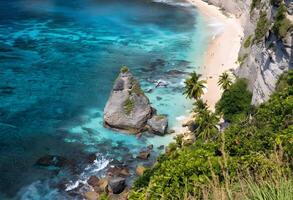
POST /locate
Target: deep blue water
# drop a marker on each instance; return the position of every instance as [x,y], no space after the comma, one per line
[58,61]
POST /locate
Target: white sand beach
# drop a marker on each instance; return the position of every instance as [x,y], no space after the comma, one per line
[222,52]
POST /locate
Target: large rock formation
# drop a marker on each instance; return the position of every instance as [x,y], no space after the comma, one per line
[128,108]
[263,62]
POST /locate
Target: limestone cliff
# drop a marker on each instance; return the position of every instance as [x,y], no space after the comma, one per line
[265,54]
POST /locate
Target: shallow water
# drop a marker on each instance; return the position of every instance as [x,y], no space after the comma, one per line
[58,61]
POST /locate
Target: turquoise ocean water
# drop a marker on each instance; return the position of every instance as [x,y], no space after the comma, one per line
[58,61]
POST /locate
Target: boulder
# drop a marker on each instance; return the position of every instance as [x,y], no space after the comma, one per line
[144,154]
[158,124]
[102,186]
[91,195]
[140,170]
[91,158]
[118,171]
[150,147]
[128,108]
[188,139]
[93,181]
[117,185]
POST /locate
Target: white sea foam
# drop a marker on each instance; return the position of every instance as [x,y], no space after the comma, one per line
[99,164]
[174,3]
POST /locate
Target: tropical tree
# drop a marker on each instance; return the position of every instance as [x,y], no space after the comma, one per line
[225,81]
[206,122]
[199,106]
[193,86]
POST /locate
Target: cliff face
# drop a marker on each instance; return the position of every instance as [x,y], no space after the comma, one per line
[262,61]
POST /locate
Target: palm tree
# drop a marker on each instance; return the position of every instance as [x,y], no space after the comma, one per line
[193,86]
[199,106]
[207,124]
[225,81]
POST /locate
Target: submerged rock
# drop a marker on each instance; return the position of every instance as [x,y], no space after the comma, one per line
[53,160]
[128,108]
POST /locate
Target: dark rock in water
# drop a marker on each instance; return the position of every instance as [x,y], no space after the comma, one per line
[117,185]
[161,147]
[144,154]
[53,160]
[93,181]
[171,131]
[150,147]
[157,63]
[91,158]
[161,83]
[118,171]
[159,98]
[158,124]
[175,72]
[89,130]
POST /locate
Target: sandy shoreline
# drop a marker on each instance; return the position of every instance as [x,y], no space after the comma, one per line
[222,52]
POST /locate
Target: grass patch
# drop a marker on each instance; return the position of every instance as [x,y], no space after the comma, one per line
[241,59]
[136,89]
[282,24]
[124,69]
[128,106]
[248,41]
[262,26]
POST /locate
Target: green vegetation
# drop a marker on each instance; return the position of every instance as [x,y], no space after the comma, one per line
[248,41]
[251,159]
[225,81]
[193,86]
[128,106]
[136,89]
[281,24]
[206,122]
[271,190]
[255,4]
[241,59]
[235,100]
[262,26]
[124,69]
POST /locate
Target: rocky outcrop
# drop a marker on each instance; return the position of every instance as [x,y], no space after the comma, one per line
[264,61]
[117,185]
[128,108]
[158,124]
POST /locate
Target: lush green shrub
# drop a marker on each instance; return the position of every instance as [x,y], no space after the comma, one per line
[235,100]
[255,4]
[281,24]
[257,147]
[262,26]
[248,41]
[124,69]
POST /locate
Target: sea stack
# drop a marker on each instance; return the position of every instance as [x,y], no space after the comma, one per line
[128,109]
